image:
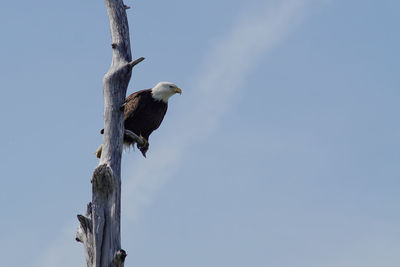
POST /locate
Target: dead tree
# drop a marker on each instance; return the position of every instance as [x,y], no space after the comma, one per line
[99,229]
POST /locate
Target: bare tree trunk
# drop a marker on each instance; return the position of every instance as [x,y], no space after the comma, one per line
[99,229]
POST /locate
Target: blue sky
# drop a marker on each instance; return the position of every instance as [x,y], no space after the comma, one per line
[282,151]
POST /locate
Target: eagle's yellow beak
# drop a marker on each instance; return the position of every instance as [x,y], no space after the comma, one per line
[178,90]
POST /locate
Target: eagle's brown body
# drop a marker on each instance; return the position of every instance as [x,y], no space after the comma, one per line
[144,111]
[143,114]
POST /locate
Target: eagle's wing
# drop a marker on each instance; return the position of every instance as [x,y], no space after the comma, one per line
[132,107]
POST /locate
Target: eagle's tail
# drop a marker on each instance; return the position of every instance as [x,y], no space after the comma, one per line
[143,149]
[128,145]
[130,141]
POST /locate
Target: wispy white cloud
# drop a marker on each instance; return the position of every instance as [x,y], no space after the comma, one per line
[221,76]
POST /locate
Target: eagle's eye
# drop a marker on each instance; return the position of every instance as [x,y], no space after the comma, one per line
[171,87]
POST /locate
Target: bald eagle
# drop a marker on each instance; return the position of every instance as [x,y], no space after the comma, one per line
[144,111]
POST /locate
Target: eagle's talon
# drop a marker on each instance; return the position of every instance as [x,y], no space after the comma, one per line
[145,142]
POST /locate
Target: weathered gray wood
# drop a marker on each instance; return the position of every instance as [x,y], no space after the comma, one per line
[85,234]
[99,230]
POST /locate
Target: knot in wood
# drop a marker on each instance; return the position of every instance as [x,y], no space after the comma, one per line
[103,180]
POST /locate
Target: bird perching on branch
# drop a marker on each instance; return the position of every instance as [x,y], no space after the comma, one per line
[144,111]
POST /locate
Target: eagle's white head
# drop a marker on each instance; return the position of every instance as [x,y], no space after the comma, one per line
[164,90]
